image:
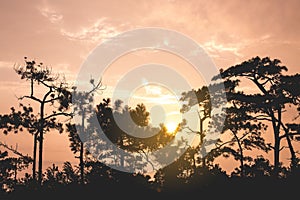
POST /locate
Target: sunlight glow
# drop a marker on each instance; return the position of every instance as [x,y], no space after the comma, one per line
[171,127]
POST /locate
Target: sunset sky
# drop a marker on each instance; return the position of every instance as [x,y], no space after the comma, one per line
[61,34]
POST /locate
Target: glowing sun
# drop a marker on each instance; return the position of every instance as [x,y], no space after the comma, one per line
[171,127]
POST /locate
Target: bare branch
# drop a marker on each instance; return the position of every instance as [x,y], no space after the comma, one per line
[263,118]
[15,151]
[58,114]
[289,134]
[30,97]
[51,100]
[284,147]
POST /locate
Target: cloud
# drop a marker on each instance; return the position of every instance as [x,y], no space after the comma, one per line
[52,15]
[174,113]
[160,100]
[153,90]
[214,48]
[99,30]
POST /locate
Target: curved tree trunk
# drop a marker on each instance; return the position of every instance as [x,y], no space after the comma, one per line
[291,148]
[241,153]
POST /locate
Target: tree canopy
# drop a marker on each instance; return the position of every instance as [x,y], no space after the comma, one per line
[262,103]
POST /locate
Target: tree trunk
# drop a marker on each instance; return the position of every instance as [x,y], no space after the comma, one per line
[81,164]
[34,156]
[292,151]
[276,147]
[241,153]
[288,139]
[201,139]
[276,131]
[40,170]
[41,140]
[201,134]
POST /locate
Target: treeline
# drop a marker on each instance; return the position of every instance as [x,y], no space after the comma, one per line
[262,101]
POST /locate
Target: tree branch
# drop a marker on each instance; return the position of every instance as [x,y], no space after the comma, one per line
[50,100]
[15,151]
[289,134]
[58,114]
[30,97]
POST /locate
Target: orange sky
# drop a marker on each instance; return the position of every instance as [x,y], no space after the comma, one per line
[61,34]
